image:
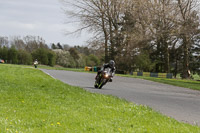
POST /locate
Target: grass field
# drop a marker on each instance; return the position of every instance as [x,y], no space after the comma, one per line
[33,102]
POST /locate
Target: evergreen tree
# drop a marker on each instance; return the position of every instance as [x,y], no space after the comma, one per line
[51,58]
[24,57]
[12,55]
[59,46]
[74,53]
[53,46]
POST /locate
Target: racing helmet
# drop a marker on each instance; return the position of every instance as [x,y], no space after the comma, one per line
[111,63]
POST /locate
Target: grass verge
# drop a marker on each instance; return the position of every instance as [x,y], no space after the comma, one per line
[191,84]
[32,101]
[61,68]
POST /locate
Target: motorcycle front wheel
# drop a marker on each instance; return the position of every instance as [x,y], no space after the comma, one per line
[102,83]
[95,85]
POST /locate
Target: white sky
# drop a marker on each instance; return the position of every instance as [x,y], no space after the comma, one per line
[42,18]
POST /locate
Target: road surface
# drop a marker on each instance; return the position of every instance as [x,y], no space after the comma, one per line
[180,103]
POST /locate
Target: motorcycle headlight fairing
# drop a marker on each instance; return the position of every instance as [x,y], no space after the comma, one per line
[106,75]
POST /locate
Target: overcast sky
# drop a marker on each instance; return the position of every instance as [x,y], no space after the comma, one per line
[43,18]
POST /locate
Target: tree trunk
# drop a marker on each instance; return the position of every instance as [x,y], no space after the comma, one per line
[111,41]
[166,57]
[105,36]
[106,46]
[185,59]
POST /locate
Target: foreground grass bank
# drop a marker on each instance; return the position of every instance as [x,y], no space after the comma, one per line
[32,101]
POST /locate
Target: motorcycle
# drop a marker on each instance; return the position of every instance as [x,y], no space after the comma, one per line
[103,78]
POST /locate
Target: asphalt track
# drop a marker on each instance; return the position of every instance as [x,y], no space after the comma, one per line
[180,103]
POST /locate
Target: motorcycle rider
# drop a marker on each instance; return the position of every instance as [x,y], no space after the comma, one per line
[35,63]
[110,65]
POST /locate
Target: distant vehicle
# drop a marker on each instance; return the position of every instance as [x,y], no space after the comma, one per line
[1,61]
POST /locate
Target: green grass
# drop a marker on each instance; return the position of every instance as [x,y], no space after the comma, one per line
[33,102]
[61,68]
[196,77]
[192,84]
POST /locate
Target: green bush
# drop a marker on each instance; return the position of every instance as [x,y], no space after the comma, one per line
[24,57]
[51,58]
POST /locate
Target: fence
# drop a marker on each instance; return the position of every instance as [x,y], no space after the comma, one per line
[150,74]
[92,69]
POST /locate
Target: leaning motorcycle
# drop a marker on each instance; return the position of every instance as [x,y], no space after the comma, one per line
[103,78]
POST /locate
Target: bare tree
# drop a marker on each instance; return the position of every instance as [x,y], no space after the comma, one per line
[4,41]
[34,42]
[127,28]
[159,24]
[188,19]
[101,17]
[18,43]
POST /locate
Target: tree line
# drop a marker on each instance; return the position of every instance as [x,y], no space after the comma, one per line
[143,35]
[18,50]
[77,56]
